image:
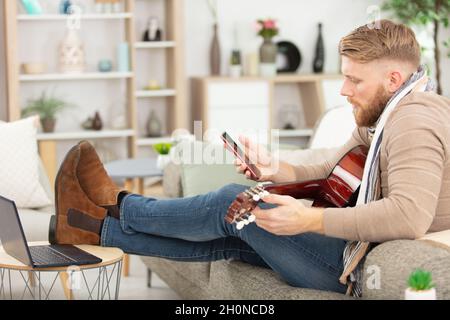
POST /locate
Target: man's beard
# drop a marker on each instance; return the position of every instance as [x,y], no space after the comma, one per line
[368,114]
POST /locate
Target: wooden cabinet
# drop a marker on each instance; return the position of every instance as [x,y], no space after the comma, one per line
[249,104]
[239,107]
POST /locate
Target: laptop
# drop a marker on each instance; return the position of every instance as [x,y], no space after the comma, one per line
[15,244]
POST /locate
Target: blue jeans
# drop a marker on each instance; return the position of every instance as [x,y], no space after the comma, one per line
[194,229]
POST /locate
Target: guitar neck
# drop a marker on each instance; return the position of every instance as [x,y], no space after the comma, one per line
[297,190]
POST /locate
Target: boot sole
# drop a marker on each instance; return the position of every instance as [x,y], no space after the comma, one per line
[52,230]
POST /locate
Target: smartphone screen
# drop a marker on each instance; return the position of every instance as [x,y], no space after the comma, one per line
[233,147]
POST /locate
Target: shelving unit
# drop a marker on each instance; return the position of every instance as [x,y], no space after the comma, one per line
[173,96]
[59,17]
[76,76]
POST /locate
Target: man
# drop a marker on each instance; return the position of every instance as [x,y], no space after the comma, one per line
[404,192]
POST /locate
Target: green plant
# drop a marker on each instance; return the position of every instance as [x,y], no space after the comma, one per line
[45,107]
[420,280]
[162,148]
[267,28]
[424,12]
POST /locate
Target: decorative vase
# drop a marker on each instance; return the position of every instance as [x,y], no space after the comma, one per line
[71,53]
[97,123]
[32,6]
[123,57]
[411,294]
[215,53]
[268,58]
[154,128]
[64,6]
[48,125]
[105,66]
[319,58]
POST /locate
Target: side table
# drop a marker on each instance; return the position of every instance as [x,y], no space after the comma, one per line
[130,170]
[39,283]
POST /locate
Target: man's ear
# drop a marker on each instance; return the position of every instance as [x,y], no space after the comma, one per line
[395,81]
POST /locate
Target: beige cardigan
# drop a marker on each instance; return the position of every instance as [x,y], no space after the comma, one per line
[415,175]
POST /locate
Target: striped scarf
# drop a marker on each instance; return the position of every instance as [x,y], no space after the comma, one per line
[370,190]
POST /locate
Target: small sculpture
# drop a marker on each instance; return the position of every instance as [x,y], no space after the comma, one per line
[94,123]
[153,32]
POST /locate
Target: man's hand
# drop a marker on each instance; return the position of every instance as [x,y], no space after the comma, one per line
[260,157]
[291,217]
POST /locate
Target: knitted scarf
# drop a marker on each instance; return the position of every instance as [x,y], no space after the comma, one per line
[370,190]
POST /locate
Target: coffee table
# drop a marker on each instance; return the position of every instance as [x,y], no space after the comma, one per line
[100,281]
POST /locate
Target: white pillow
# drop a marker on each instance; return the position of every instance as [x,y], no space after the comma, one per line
[19,173]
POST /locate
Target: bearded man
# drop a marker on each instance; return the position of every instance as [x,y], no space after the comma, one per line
[404,193]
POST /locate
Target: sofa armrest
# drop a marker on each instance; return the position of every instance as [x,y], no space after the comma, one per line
[388,266]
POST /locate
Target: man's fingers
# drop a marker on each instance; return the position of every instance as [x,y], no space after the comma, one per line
[277,199]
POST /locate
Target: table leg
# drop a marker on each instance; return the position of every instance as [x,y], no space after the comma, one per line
[65,284]
[32,279]
[141,186]
[126,265]
[129,185]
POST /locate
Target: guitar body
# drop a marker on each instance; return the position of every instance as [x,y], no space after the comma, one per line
[340,189]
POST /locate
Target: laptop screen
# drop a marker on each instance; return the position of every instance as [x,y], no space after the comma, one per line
[11,232]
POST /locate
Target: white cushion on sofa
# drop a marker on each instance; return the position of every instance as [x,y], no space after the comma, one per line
[19,164]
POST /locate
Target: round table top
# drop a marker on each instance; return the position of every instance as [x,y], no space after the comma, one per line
[108,255]
[133,168]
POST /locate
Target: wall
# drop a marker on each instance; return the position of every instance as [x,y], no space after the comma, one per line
[297,20]
[2,69]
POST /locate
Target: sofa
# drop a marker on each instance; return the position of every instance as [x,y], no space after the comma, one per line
[386,268]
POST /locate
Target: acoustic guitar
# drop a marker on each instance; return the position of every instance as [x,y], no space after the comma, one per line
[340,189]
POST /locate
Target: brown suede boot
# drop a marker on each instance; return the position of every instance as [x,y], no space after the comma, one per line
[95,181]
[70,197]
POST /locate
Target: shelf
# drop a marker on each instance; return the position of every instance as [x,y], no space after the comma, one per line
[280,78]
[85,135]
[154,45]
[88,16]
[295,133]
[144,142]
[76,76]
[155,93]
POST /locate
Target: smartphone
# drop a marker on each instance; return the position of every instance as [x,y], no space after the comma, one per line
[231,145]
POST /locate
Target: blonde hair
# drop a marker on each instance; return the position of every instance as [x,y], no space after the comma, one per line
[381,39]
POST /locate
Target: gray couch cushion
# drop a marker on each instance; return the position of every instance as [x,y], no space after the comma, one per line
[229,280]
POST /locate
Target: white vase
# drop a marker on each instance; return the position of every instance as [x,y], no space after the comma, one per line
[235,71]
[162,161]
[267,69]
[71,53]
[420,295]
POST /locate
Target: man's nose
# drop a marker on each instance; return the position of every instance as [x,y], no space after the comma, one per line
[346,91]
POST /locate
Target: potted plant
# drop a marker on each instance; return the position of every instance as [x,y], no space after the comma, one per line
[420,286]
[46,108]
[267,29]
[163,150]
[433,13]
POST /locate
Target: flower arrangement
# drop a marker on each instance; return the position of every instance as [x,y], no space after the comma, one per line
[267,28]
